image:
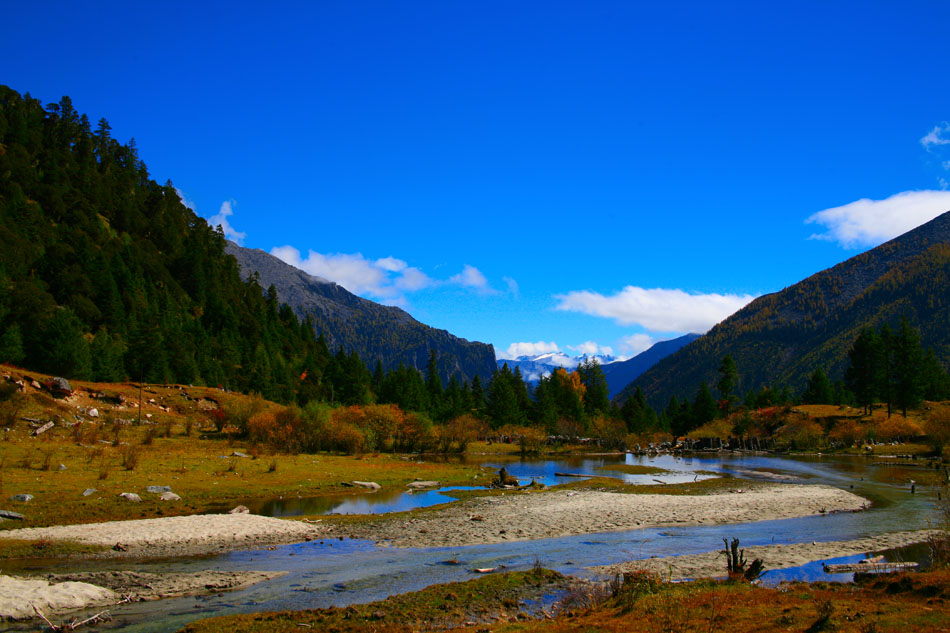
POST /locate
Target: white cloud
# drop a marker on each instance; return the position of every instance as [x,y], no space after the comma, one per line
[527,349]
[591,348]
[657,309]
[471,277]
[354,272]
[413,279]
[221,219]
[184,199]
[636,343]
[391,264]
[512,286]
[871,222]
[940,135]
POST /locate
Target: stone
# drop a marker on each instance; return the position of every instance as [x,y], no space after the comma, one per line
[169,496]
[372,485]
[22,498]
[36,385]
[158,489]
[130,496]
[43,429]
[419,485]
[61,386]
[89,491]
[10,514]
[238,454]
[239,510]
[62,466]
[93,413]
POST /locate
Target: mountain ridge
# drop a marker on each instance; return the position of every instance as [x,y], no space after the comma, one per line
[373,331]
[781,337]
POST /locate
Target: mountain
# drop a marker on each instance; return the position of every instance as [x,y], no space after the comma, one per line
[373,331]
[781,338]
[106,275]
[534,367]
[622,373]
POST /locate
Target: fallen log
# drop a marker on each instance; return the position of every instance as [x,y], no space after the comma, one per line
[571,475]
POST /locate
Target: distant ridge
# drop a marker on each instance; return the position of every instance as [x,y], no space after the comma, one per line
[373,331]
[621,373]
[780,338]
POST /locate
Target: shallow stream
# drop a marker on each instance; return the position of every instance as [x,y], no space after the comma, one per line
[325,573]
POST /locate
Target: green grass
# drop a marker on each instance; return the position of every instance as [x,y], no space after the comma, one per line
[17,549]
[440,606]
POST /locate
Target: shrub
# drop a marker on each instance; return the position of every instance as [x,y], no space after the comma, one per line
[897,428]
[937,426]
[848,431]
[130,458]
[414,433]
[802,433]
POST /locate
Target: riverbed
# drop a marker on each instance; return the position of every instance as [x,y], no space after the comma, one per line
[334,572]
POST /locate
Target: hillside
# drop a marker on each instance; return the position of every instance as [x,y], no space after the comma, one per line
[373,331]
[621,373]
[106,275]
[780,338]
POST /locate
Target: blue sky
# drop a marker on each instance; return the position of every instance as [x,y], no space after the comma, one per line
[585,175]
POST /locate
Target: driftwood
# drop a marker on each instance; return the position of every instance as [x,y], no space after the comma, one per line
[863,566]
[43,429]
[571,475]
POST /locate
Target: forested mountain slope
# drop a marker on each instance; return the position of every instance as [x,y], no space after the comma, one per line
[780,338]
[373,331]
[621,373]
[106,275]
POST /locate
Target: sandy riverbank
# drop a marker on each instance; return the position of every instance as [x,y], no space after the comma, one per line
[713,564]
[535,515]
[60,593]
[178,536]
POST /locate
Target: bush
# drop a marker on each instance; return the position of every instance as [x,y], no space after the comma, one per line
[937,426]
[848,431]
[897,428]
[415,434]
[804,433]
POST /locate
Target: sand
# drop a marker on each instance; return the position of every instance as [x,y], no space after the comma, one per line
[713,564]
[534,515]
[18,595]
[178,536]
[60,593]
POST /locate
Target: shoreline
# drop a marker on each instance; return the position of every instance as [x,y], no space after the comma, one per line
[531,515]
[191,535]
[781,556]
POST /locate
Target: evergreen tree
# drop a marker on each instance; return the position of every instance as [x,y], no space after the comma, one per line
[819,389]
[433,385]
[907,359]
[502,404]
[704,406]
[597,393]
[728,379]
[11,345]
[863,375]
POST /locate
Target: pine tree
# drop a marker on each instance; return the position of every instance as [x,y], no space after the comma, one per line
[863,375]
[907,359]
[819,389]
[728,379]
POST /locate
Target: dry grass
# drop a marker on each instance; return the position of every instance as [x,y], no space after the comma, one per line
[113,456]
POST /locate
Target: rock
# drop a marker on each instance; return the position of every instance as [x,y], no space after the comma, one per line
[10,514]
[372,485]
[169,496]
[36,385]
[239,510]
[158,489]
[93,413]
[62,466]
[61,386]
[89,491]
[418,485]
[22,498]
[130,496]
[238,454]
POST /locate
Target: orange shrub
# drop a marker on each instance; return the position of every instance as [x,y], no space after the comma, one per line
[896,428]
[719,428]
[803,433]
[848,431]
[937,426]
